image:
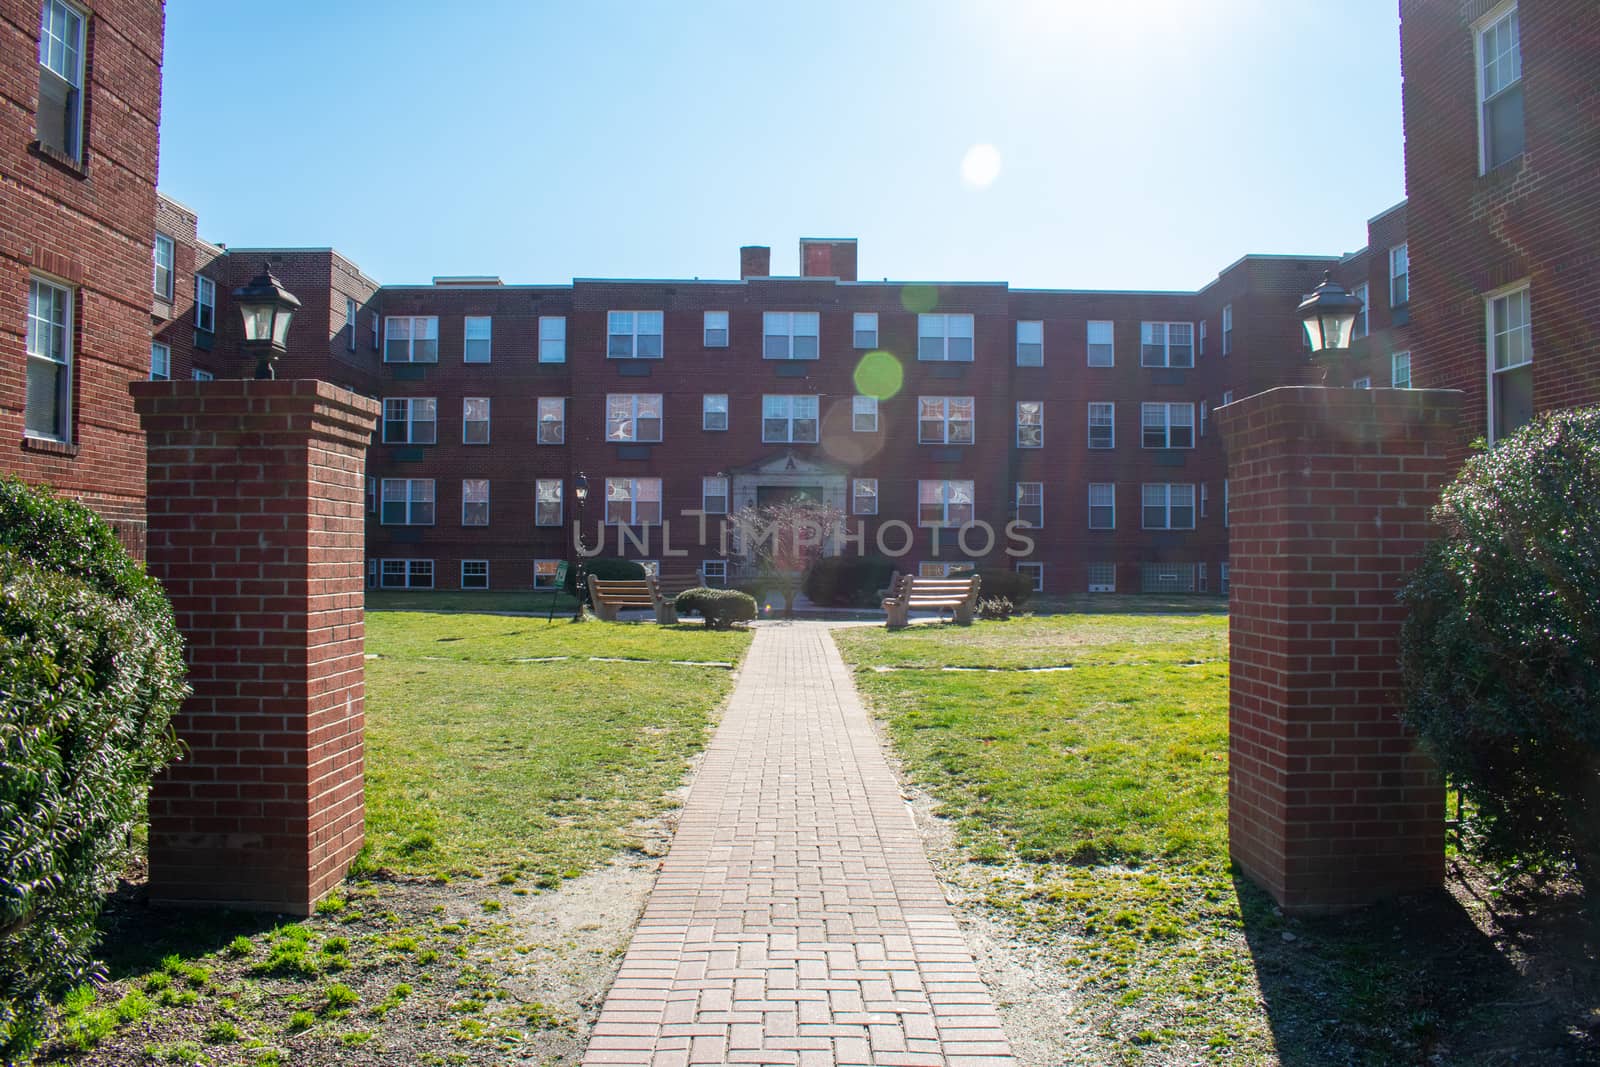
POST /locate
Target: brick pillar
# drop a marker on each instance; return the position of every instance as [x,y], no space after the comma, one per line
[1330,806]
[256,525]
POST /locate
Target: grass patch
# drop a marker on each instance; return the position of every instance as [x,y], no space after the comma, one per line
[469,601]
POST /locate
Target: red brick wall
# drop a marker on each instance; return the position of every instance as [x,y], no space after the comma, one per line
[1330,805]
[1533,218]
[91,230]
[256,534]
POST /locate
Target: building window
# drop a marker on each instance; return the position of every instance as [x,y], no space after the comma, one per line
[49,400]
[1167,425]
[1102,349]
[633,335]
[351,310]
[633,501]
[545,573]
[1169,577]
[475,502]
[1034,571]
[552,420]
[944,338]
[945,420]
[372,495]
[714,573]
[944,503]
[714,411]
[1400,370]
[1030,503]
[1222,579]
[1200,344]
[1500,125]
[474,574]
[1227,398]
[1102,506]
[201,375]
[163,272]
[1360,329]
[1168,506]
[1510,331]
[552,338]
[864,496]
[1166,344]
[715,329]
[205,307]
[475,420]
[633,417]
[1203,412]
[410,421]
[1225,499]
[1030,424]
[411,339]
[375,345]
[476,333]
[1227,328]
[789,334]
[1030,344]
[1399,276]
[865,325]
[408,574]
[160,361]
[372,574]
[931,569]
[864,414]
[1102,424]
[407,502]
[1102,577]
[789,419]
[1205,499]
[714,495]
[1361,383]
[547,500]
[59,120]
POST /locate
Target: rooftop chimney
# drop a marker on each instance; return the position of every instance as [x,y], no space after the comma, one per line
[755,261]
[828,258]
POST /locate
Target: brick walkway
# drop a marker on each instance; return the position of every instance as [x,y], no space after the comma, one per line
[796,919]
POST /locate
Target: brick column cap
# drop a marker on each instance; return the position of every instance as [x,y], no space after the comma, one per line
[300,407]
[1319,410]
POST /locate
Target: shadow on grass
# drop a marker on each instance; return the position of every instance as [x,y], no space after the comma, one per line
[1416,980]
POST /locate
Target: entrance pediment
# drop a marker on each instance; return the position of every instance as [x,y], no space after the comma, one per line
[790,465]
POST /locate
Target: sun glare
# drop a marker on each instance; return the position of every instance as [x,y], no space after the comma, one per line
[980,166]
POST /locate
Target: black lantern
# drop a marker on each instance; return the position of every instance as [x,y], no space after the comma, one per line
[580,492]
[1328,314]
[267,308]
[580,489]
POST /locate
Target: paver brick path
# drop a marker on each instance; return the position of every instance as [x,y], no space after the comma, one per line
[796,919]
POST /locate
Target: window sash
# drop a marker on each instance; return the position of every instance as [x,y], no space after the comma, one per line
[864,326]
[475,420]
[407,574]
[1030,424]
[790,334]
[1030,503]
[864,414]
[1167,425]
[475,502]
[548,499]
[407,502]
[714,572]
[1399,276]
[944,503]
[477,333]
[714,495]
[1227,328]
[1510,330]
[633,418]
[944,338]
[61,41]
[410,420]
[864,496]
[1166,344]
[205,306]
[160,361]
[633,501]
[474,574]
[789,419]
[411,339]
[1030,343]
[1102,424]
[552,411]
[1168,506]
[1101,335]
[552,338]
[1400,370]
[945,420]
[1102,506]
[633,334]
[165,254]
[714,411]
[715,329]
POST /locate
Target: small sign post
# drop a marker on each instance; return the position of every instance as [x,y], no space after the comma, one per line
[561,583]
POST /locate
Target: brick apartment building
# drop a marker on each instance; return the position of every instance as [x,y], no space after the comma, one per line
[78,139]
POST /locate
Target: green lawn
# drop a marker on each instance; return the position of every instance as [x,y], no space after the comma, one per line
[523,601]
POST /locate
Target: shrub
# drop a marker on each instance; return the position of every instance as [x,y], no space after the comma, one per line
[849,581]
[607,569]
[996,582]
[720,608]
[91,672]
[995,608]
[1501,647]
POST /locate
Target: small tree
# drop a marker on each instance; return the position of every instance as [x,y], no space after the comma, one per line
[1501,648]
[781,542]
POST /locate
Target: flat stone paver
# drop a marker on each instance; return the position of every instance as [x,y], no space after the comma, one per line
[796,919]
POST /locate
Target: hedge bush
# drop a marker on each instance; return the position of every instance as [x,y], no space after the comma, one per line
[720,608]
[607,569]
[1501,646]
[1007,585]
[848,581]
[91,672]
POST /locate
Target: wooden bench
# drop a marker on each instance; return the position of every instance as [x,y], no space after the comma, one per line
[908,592]
[609,598]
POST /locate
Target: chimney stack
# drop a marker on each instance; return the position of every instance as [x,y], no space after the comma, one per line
[828,258]
[755,261]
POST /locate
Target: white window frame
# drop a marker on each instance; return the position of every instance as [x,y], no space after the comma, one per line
[790,416]
[1167,505]
[471,484]
[372,494]
[467,421]
[1110,423]
[1200,339]
[864,322]
[372,573]
[199,375]
[475,564]
[1223,579]
[714,330]
[430,329]
[1166,410]
[406,493]
[1399,256]
[552,338]
[714,494]
[377,345]
[1227,398]
[75,59]
[1030,440]
[1362,321]
[1147,333]
[864,414]
[1363,382]
[205,299]
[164,362]
[63,299]
[1397,360]
[1205,498]
[467,324]
[1093,571]
[409,568]
[1034,569]
[790,329]
[635,334]
[942,327]
[1102,495]
[946,420]
[411,421]
[635,497]
[164,291]
[544,573]
[947,492]
[543,406]
[709,409]
[545,492]
[1500,14]
[352,312]
[863,489]
[1492,333]
[633,417]
[1030,342]
[1107,347]
[1020,493]
[1227,328]
[720,576]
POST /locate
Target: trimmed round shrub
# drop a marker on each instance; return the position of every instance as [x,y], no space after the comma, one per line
[848,581]
[91,672]
[607,569]
[1501,646]
[1001,584]
[720,608]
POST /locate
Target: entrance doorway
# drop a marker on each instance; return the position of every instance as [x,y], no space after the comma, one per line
[769,495]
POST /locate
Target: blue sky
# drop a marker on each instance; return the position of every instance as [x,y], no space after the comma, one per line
[1141,144]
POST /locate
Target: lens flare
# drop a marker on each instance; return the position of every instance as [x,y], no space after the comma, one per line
[980,166]
[879,374]
[919,299]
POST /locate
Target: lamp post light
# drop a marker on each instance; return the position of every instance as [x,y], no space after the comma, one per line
[580,491]
[1328,315]
[267,308]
